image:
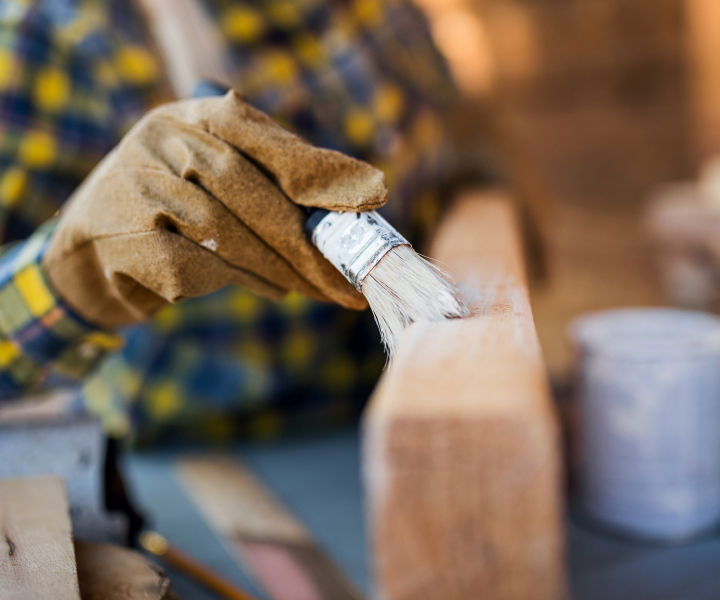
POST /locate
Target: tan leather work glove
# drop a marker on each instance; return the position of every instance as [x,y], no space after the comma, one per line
[201,194]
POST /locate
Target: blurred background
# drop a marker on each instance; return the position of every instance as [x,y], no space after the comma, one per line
[595,104]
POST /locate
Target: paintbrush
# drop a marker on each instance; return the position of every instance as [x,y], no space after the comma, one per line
[400,286]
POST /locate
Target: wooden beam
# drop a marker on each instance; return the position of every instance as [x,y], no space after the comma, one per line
[37,560]
[461,452]
[278,550]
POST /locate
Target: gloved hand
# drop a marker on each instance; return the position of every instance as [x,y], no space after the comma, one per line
[201,194]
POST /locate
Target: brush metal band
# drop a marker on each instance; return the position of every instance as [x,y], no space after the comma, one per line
[355,242]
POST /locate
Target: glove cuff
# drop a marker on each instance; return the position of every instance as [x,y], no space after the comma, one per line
[43,341]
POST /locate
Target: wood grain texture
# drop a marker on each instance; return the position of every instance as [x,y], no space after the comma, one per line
[37,561]
[461,452]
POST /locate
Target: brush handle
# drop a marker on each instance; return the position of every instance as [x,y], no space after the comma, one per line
[157,545]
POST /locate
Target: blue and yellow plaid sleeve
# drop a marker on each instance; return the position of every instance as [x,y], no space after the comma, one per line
[43,343]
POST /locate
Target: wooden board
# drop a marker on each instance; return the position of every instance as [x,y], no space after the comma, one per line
[276,548]
[37,561]
[461,453]
[108,572]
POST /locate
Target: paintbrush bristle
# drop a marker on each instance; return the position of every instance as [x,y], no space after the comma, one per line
[404,288]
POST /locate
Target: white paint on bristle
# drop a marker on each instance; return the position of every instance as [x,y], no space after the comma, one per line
[403,288]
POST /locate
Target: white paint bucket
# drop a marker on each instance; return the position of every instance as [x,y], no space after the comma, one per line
[649,388]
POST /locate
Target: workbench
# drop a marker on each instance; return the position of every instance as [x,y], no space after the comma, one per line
[318,479]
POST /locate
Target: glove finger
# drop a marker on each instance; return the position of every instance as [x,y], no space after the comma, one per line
[155,199]
[246,193]
[166,144]
[188,270]
[195,213]
[128,290]
[309,176]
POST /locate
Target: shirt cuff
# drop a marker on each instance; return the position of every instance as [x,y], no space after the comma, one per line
[43,342]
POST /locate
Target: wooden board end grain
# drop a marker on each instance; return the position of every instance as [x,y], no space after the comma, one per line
[37,560]
[461,453]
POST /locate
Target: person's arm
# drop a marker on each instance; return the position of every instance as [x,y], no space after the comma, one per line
[43,342]
[200,194]
[70,83]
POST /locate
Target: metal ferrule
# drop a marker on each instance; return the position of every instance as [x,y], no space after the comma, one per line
[355,242]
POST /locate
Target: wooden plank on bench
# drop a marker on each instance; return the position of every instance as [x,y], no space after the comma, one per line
[461,449]
[37,560]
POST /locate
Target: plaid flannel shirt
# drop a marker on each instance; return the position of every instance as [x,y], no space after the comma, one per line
[41,339]
[358,76]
